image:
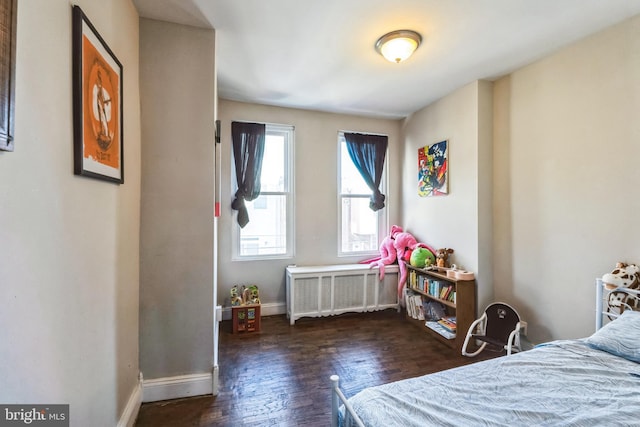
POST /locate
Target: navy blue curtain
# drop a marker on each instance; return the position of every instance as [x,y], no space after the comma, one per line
[368,153]
[248,151]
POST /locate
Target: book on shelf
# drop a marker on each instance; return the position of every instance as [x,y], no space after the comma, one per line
[414,305]
[438,289]
[449,323]
[407,301]
[419,307]
[438,328]
[417,282]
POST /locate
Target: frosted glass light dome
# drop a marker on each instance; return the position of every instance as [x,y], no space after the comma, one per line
[399,45]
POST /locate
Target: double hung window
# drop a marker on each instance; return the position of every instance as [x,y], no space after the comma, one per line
[269,233]
[359,227]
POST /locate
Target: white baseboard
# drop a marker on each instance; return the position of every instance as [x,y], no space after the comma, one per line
[130,413]
[177,387]
[195,384]
[270,309]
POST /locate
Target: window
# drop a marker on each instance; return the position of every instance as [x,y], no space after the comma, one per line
[359,228]
[269,233]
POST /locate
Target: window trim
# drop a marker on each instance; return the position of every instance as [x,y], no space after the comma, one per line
[382,214]
[290,200]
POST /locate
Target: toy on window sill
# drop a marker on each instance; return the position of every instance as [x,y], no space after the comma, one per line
[387,250]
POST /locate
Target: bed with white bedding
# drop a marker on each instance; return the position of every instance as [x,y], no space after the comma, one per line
[584,382]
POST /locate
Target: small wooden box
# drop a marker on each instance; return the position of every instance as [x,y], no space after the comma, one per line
[246,318]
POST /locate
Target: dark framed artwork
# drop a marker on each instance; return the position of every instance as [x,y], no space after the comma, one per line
[8,23]
[97,104]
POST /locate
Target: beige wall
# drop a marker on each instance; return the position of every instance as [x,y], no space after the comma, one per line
[460,219]
[177,87]
[69,245]
[566,179]
[316,199]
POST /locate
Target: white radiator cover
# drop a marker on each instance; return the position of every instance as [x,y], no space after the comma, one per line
[327,290]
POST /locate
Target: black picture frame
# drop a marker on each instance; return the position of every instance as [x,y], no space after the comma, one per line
[8,24]
[97,104]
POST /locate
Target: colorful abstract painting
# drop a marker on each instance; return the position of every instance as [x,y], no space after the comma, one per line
[433,173]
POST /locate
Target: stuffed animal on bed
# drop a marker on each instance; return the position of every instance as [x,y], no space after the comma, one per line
[623,276]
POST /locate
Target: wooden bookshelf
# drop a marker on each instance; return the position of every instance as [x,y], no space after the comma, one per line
[464,307]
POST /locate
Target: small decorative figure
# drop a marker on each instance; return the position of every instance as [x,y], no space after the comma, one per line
[254,295]
[442,257]
[235,298]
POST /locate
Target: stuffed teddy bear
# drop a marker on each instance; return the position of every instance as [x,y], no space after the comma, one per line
[442,257]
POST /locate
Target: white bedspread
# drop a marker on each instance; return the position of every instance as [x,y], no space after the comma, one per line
[562,383]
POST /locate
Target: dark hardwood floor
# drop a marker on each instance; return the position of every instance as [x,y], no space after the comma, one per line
[280,376]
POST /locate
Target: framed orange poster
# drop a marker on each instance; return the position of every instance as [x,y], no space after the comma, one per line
[97,104]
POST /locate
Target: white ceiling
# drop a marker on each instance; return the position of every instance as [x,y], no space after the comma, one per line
[319,54]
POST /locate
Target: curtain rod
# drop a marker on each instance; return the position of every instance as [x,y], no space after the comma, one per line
[363,133]
[265,123]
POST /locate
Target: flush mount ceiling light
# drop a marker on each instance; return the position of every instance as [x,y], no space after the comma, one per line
[397,46]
